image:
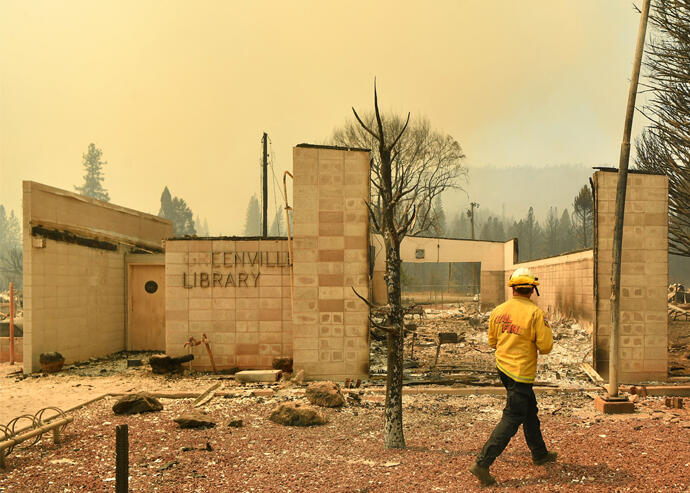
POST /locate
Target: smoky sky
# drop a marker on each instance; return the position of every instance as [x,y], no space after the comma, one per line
[179,93]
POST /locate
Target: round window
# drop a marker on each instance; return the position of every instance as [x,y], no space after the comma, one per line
[151,286]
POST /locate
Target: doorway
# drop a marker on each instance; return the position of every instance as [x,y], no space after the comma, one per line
[146,307]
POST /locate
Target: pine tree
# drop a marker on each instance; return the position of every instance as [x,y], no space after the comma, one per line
[252,223]
[531,235]
[10,249]
[93,179]
[460,226]
[177,210]
[566,236]
[166,204]
[498,230]
[583,208]
[439,225]
[551,232]
[485,233]
[278,224]
[201,227]
[664,146]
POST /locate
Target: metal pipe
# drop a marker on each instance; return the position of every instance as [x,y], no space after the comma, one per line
[11,323]
[289,240]
[34,432]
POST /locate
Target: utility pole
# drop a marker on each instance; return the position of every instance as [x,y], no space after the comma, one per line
[265,190]
[470,214]
[620,205]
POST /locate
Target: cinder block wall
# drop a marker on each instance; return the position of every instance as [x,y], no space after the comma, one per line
[566,285]
[75,303]
[643,336]
[74,295]
[247,317]
[490,254]
[331,228]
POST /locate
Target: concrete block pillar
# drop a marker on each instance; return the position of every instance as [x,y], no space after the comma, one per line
[644,275]
[331,248]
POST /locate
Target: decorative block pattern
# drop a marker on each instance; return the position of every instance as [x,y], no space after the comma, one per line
[643,333]
[232,290]
[331,249]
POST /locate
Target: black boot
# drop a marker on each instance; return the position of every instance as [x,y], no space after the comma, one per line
[483,474]
[547,459]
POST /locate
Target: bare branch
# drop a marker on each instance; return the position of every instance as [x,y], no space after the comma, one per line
[401,132]
[363,125]
[369,304]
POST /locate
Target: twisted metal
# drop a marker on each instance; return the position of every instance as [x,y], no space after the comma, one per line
[10,431]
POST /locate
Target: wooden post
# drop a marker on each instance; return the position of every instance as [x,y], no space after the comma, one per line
[121,459]
[620,205]
[56,435]
[11,323]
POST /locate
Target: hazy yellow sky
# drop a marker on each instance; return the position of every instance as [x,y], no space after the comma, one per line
[179,93]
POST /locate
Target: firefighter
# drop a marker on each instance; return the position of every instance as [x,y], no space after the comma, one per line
[517,330]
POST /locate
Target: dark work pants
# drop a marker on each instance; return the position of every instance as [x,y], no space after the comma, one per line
[521,409]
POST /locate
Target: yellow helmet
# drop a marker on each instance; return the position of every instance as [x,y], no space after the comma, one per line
[523,277]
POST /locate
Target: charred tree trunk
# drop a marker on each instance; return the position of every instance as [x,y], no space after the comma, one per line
[393,233]
[393,429]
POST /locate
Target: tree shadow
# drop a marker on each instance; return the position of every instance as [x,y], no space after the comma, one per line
[564,473]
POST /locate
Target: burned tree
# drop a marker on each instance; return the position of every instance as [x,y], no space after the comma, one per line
[665,145]
[410,167]
[423,164]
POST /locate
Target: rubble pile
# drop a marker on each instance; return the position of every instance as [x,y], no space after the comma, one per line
[678,302]
[470,360]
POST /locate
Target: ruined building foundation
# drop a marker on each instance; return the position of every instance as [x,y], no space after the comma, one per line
[99,278]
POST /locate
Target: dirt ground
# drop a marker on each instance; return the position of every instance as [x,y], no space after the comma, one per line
[78,384]
[646,451]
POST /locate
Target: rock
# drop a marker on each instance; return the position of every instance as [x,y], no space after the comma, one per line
[295,414]
[235,423]
[283,364]
[141,402]
[194,419]
[162,363]
[325,394]
[51,362]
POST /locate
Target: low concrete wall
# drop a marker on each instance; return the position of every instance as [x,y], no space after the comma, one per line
[5,349]
[566,284]
[490,254]
[74,271]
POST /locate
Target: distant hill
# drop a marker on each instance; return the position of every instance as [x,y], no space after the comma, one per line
[511,191]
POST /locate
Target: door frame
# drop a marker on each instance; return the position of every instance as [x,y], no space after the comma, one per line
[143,259]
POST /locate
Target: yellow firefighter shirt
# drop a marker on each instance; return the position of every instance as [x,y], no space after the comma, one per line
[516,330]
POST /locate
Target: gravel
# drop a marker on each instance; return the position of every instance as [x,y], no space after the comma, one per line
[647,451]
